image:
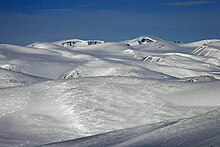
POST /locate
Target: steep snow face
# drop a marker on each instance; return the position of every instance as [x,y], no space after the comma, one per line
[180,65]
[208,51]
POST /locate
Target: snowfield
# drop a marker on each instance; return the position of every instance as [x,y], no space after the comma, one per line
[140,92]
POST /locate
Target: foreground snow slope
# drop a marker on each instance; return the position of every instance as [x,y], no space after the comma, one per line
[202,131]
[63,90]
[61,110]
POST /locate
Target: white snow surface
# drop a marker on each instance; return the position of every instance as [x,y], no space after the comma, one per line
[140,92]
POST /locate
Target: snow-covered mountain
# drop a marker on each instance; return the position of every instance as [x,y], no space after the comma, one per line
[140,92]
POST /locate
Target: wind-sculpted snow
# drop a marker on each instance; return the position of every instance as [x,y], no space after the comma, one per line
[10,78]
[205,94]
[207,51]
[43,61]
[157,91]
[97,67]
[202,130]
[61,110]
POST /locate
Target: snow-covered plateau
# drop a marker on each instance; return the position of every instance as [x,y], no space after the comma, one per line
[140,92]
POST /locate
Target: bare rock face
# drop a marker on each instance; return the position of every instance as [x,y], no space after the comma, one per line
[152,59]
[202,78]
[77,42]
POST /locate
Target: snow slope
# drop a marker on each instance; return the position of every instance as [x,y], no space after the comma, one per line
[59,110]
[42,59]
[202,130]
[11,78]
[148,91]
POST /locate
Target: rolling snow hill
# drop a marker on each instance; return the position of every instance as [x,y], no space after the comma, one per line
[140,92]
